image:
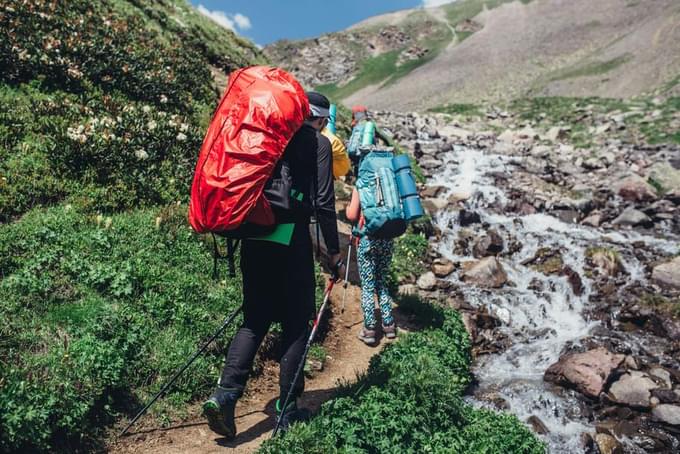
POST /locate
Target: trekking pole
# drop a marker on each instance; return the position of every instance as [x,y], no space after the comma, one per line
[327,294]
[183,368]
[346,283]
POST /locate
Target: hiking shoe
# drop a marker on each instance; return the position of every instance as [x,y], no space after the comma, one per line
[367,336]
[292,415]
[219,410]
[390,331]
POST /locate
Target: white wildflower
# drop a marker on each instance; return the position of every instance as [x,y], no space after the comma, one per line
[181,137]
[151,125]
[146,109]
[184,127]
[141,154]
[164,99]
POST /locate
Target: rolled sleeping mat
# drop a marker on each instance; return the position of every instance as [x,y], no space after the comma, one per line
[406,185]
[368,136]
[333,115]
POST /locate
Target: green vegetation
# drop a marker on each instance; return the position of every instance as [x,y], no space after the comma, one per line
[589,69]
[408,261]
[464,110]
[98,312]
[385,68]
[410,401]
[100,108]
[463,10]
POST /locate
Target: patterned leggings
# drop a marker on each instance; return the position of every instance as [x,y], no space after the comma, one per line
[374,257]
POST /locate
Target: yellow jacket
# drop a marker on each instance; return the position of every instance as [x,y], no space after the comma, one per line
[341,162]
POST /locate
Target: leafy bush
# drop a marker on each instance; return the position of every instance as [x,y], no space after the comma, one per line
[408,261]
[410,401]
[98,314]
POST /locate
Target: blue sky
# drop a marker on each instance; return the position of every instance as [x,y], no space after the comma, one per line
[265,21]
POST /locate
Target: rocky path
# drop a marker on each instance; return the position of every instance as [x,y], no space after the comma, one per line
[347,356]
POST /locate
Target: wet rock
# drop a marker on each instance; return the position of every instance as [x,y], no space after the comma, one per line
[432,191]
[490,244]
[466,218]
[616,428]
[567,216]
[574,280]
[458,196]
[605,261]
[546,260]
[487,272]
[593,220]
[442,267]
[668,414]
[633,389]
[632,217]
[586,372]
[636,189]
[434,205]
[608,444]
[667,275]
[427,281]
[538,425]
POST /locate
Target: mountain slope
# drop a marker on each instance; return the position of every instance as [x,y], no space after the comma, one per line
[505,49]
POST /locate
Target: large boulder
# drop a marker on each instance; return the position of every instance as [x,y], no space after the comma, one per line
[667,274]
[633,389]
[442,267]
[487,272]
[636,189]
[669,414]
[586,372]
[632,217]
[608,444]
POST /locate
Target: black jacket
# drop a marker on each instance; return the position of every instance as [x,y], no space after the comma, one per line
[310,158]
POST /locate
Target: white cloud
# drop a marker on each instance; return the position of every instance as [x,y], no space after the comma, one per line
[433,3]
[229,21]
[243,22]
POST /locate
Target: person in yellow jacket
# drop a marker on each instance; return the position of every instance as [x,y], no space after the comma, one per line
[341,162]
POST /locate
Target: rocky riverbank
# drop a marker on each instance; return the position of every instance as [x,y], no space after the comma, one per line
[563,261]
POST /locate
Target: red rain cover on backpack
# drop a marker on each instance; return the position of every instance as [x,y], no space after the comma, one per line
[259,113]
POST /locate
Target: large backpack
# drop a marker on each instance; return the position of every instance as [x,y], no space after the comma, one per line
[381,206]
[259,113]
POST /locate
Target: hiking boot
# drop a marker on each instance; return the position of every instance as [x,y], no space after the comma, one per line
[390,331]
[367,336]
[219,410]
[292,415]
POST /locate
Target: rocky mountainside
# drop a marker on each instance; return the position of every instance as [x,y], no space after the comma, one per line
[474,50]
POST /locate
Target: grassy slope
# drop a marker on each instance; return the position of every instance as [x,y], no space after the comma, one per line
[103,107]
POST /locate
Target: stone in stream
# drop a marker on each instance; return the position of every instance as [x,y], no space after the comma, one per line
[432,191]
[668,414]
[605,261]
[487,272]
[586,372]
[466,218]
[608,444]
[574,280]
[538,425]
[633,389]
[442,267]
[593,220]
[667,274]
[488,245]
[546,260]
[632,217]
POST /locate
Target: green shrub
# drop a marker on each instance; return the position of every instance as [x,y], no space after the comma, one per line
[99,313]
[410,252]
[410,401]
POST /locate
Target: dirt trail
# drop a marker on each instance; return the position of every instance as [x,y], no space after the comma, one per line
[347,357]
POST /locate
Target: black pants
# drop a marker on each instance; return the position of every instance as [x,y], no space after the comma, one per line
[278,285]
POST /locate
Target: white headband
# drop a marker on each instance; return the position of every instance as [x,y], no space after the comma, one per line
[318,111]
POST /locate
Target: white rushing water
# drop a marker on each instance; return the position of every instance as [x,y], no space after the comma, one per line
[539,319]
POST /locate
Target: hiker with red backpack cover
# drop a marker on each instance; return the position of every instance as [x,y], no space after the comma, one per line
[267,142]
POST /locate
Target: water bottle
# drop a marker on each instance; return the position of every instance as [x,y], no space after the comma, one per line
[368,135]
[406,185]
[331,121]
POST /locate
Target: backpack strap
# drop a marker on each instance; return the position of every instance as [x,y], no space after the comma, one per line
[232,246]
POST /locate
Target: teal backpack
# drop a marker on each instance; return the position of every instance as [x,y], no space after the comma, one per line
[388,195]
